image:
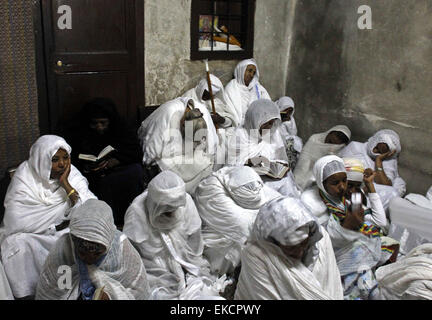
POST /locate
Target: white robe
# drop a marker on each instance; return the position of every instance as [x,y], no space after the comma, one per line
[163,144]
[34,205]
[314,149]
[267,274]
[359,151]
[227,222]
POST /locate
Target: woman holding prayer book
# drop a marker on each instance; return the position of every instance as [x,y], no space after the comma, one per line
[109,155]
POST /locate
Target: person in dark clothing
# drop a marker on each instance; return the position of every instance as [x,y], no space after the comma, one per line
[118,178]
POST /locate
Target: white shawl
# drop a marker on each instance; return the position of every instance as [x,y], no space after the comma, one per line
[228,202]
[314,149]
[409,278]
[121,272]
[239,96]
[163,144]
[171,248]
[246,142]
[34,202]
[267,273]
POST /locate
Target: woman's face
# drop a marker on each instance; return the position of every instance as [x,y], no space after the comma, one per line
[335,137]
[286,114]
[336,185]
[59,163]
[249,74]
[99,125]
[88,251]
[297,251]
[381,148]
[267,126]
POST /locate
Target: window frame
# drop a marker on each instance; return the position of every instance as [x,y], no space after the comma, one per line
[246,53]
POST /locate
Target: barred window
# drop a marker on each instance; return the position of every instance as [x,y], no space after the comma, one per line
[222,29]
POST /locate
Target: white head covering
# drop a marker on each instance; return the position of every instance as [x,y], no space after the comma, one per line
[93,221]
[244,185]
[354,169]
[284,103]
[341,128]
[121,270]
[203,85]
[287,221]
[34,201]
[240,69]
[259,112]
[166,193]
[387,136]
[41,153]
[325,167]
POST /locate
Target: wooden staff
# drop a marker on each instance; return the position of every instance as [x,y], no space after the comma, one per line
[210,89]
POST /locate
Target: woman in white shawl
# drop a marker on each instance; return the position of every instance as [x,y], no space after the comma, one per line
[244,89]
[228,202]
[260,142]
[319,145]
[180,136]
[289,257]
[288,130]
[201,93]
[37,205]
[93,259]
[356,239]
[380,154]
[164,225]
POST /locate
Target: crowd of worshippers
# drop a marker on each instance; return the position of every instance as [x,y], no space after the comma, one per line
[275,218]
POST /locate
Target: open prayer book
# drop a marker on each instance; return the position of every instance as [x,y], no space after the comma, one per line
[273,169]
[89,157]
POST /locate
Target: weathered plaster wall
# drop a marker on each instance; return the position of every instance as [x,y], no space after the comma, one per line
[367,79]
[169,70]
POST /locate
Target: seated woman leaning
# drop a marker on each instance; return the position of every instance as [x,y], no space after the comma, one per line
[94,261]
[259,144]
[317,146]
[289,256]
[41,194]
[180,136]
[380,154]
[357,241]
[164,226]
[228,202]
[118,177]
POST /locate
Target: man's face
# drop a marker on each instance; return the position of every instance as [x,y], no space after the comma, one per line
[99,125]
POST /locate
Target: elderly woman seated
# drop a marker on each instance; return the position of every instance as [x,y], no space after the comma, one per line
[164,225]
[180,136]
[357,241]
[380,154]
[319,145]
[97,262]
[41,194]
[288,130]
[223,118]
[244,89]
[288,257]
[228,202]
[259,144]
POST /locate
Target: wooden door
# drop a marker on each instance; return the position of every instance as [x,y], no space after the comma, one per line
[91,48]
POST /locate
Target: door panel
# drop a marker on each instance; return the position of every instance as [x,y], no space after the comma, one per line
[101,55]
